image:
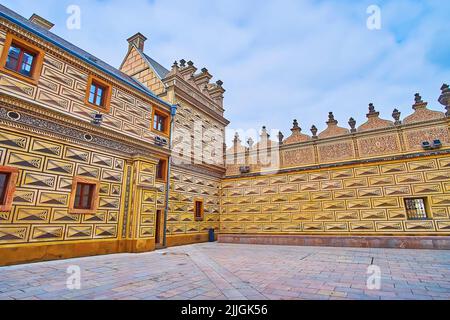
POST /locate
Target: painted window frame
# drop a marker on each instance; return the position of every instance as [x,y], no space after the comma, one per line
[164,171]
[106,107]
[95,196]
[38,60]
[202,210]
[166,115]
[8,199]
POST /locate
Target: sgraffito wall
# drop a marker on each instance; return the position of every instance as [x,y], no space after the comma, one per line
[50,141]
[355,199]
[62,86]
[41,200]
[188,186]
[198,122]
[40,225]
[345,181]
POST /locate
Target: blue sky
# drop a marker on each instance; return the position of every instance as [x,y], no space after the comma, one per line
[283,59]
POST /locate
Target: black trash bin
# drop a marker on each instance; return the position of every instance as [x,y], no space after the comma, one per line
[211,235]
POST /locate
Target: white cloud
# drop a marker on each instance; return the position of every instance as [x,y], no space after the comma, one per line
[279,60]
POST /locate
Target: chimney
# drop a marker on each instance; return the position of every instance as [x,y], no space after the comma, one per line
[138,40]
[43,23]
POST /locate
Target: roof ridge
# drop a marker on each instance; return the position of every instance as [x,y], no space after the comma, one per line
[161,71]
[80,53]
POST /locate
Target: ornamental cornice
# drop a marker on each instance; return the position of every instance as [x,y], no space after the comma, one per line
[60,126]
[362,134]
[200,170]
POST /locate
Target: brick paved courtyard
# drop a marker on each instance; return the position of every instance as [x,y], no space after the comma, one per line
[223,271]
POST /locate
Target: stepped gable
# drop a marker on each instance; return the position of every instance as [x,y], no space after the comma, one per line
[200,80]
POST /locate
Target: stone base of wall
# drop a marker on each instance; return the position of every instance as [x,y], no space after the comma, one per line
[28,253]
[399,242]
[184,239]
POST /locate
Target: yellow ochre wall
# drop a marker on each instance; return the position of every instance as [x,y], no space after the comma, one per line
[41,146]
[358,199]
[40,227]
[343,182]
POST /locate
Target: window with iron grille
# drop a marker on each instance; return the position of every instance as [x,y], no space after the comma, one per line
[416,209]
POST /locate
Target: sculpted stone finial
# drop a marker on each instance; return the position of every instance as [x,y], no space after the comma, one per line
[204,70]
[418,102]
[444,99]
[175,67]
[314,132]
[421,112]
[280,137]
[396,115]
[296,128]
[190,63]
[236,139]
[331,119]
[418,98]
[264,131]
[183,63]
[352,123]
[372,111]
[250,142]
[331,116]
[333,130]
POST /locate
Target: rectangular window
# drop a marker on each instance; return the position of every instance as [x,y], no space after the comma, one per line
[161,169]
[8,180]
[96,94]
[4,182]
[198,210]
[160,122]
[416,209]
[84,196]
[21,59]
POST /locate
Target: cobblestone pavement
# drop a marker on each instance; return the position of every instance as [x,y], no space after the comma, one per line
[237,272]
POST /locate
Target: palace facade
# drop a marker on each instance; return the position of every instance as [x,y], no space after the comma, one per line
[98,160]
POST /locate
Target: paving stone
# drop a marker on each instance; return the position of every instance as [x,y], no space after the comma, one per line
[215,271]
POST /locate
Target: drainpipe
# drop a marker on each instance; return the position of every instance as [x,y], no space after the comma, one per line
[173,112]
